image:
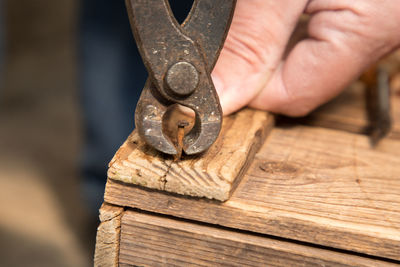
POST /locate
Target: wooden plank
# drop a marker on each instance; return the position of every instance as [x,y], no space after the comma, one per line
[108,236]
[213,175]
[348,110]
[151,240]
[310,184]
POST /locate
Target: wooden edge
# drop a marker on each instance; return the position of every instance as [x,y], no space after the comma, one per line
[259,138]
[152,240]
[229,214]
[108,236]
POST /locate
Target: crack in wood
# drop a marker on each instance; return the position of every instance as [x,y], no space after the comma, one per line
[163,179]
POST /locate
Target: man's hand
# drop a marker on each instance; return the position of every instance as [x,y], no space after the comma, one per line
[345,37]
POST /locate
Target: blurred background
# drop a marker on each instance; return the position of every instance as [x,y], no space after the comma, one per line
[42,219]
[70,76]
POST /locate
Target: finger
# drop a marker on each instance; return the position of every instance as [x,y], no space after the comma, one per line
[253,49]
[343,41]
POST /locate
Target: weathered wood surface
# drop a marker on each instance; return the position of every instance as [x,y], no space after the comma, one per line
[151,240]
[213,175]
[108,236]
[310,184]
[348,111]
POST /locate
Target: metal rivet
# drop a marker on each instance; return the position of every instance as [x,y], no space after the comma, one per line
[182,78]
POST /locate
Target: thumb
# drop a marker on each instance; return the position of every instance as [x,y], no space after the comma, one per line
[253,49]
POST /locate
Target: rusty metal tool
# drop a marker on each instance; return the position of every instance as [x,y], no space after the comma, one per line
[179,60]
[377,84]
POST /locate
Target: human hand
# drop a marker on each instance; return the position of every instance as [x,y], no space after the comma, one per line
[345,37]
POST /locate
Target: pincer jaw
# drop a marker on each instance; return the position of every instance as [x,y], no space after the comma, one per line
[149,116]
[204,133]
[149,124]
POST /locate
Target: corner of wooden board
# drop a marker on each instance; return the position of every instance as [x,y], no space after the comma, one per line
[212,175]
[108,236]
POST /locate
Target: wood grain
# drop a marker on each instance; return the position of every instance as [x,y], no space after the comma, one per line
[213,175]
[108,236]
[151,240]
[310,184]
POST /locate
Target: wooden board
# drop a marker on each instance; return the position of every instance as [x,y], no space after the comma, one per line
[348,110]
[213,175]
[315,185]
[108,236]
[151,240]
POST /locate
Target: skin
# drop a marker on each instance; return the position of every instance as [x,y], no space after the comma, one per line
[344,38]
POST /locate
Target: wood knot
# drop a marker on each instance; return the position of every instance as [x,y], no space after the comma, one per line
[278,167]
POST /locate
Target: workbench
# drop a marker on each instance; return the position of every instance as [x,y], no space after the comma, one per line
[315,193]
